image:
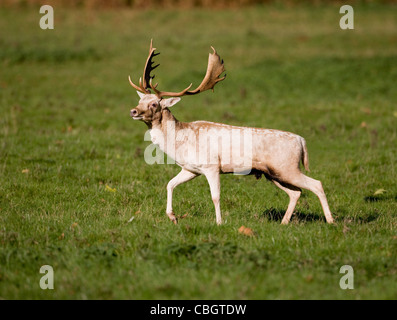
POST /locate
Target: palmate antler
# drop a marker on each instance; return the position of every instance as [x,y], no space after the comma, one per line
[143,86]
[214,70]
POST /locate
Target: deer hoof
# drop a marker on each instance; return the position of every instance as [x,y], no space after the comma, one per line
[173,218]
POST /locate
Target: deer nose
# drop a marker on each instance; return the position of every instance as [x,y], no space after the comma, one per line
[134,113]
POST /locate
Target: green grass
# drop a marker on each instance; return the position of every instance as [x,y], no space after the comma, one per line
[66,134]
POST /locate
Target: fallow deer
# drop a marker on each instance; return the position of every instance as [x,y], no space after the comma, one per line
[273,153]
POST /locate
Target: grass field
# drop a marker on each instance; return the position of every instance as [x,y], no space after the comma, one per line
[73,174]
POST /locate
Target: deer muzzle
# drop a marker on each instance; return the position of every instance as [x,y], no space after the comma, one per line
[134,113]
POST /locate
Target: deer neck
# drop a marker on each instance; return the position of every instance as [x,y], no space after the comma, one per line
[164,120]
[163,131]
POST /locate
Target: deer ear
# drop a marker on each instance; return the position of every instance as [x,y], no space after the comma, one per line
[140,94]
[167,103]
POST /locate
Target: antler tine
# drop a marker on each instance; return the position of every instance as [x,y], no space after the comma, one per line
[157,92]
[140,88]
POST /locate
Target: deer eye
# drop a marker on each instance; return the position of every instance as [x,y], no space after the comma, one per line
[153,105]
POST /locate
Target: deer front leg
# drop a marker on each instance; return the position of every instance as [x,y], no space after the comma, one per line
[215,187]
[181,177]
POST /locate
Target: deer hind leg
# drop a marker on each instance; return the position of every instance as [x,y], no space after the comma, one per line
[305,182]
[294,193]
[181,177]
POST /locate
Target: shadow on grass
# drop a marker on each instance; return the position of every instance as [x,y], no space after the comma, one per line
[274,214]
[377,198]
[365,219]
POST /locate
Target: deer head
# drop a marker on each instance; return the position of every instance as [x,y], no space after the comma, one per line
[151,101]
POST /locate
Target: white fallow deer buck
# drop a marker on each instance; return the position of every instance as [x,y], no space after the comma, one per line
[272,153]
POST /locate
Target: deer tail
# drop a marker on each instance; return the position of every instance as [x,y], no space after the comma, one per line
[305,155]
